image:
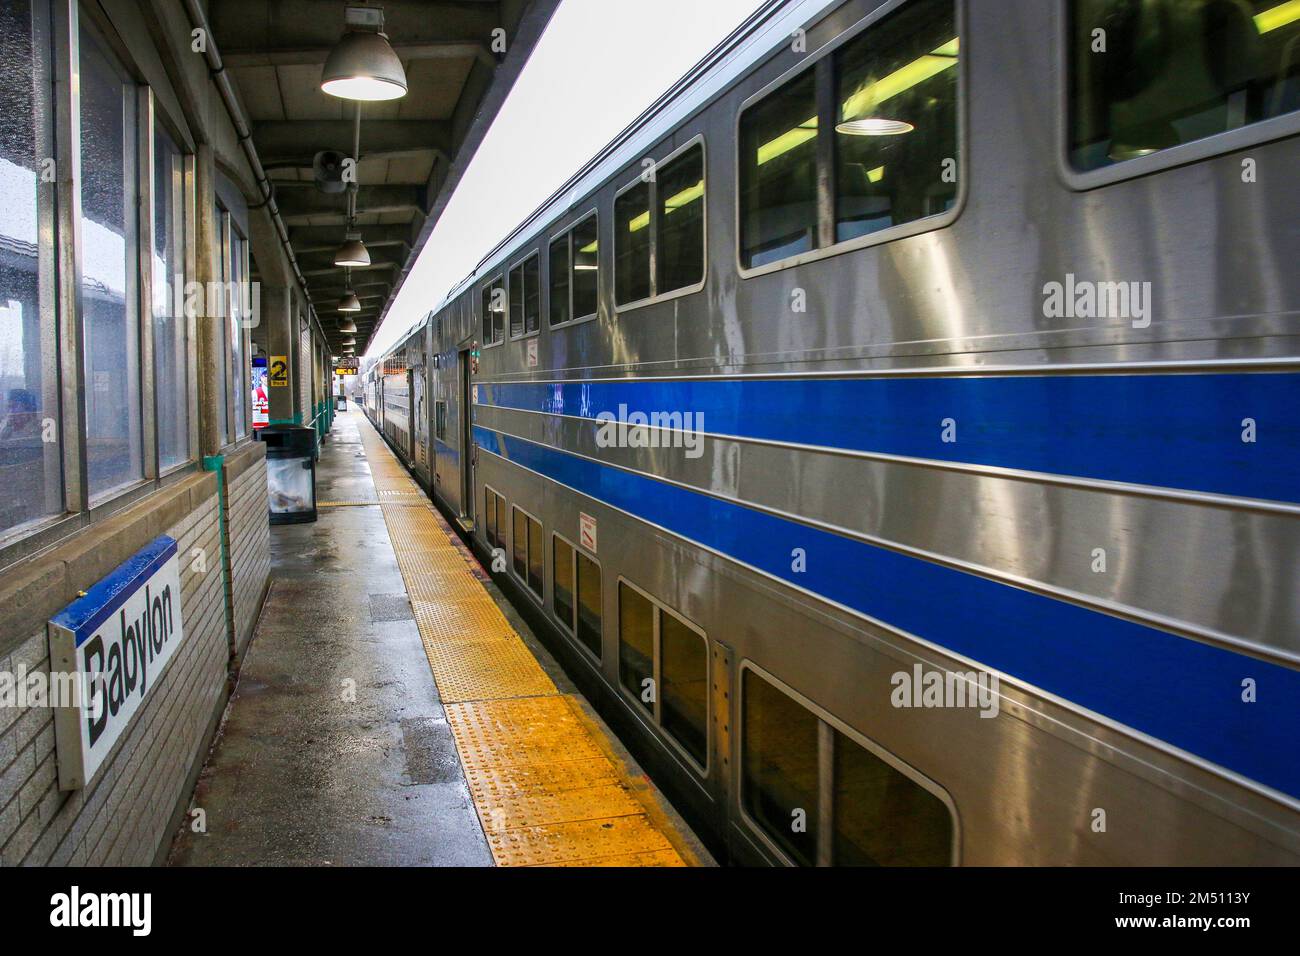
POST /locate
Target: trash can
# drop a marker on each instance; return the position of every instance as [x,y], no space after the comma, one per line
[342,405]
[290,472]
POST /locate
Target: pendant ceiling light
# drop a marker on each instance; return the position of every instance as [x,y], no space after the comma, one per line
[349,341]
[347,327]
[349,302]
[363,66]
[353,252]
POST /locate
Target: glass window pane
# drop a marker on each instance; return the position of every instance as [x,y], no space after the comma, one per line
[882,817]
[560,280]
[109,264]
[489,506]
[517,301]
[562,583]
[780,786]
[589,603]
[896,87]
[170,328]
[532,295]
[502,522]
[499,310]
[680,253]
[536,558]
[632,244]
[31,485]
[240,309]
[1176,72]
[684,670]
[487,315]
[519,543]
[223,376]
[586,246]
[778,174]
[636,645]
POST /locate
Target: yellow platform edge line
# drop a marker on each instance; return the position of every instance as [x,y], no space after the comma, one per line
[616,841]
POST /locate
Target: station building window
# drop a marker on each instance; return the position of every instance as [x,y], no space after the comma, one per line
[1175,73]
[31,482]
[170,326]
[663,664]
[883,136]
[574,267]
[879,815]
[661,220]
[525,298]
[109,269]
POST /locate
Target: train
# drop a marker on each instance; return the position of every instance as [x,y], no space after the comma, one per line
[893,433]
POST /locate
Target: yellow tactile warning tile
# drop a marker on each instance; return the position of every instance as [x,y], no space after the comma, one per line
[545,783]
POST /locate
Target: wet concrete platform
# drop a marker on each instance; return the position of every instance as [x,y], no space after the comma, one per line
[335,749]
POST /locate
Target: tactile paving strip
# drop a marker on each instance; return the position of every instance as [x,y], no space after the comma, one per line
[544,783]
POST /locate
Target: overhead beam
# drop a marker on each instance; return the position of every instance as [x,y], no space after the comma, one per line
[293,141]
[296,56]
[373,267]
[297,204]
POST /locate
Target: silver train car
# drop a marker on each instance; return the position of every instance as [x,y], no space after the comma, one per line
[894,432]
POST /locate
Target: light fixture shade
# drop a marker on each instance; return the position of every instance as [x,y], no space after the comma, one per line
[349,302]
[362,66]
[349,342]
[347,327]
[352,253]
[874,126]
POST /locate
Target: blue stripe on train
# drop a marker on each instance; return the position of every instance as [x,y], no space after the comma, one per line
[1174,430]
[1169,687]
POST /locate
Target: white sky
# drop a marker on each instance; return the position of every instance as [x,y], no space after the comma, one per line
[597,66]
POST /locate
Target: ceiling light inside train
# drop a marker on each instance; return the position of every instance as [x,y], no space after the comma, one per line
[874,126]
[363,66]
[347,327]
[353,252]
[349,302]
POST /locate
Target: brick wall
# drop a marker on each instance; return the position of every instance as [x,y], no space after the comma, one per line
[250,548]
[125,816]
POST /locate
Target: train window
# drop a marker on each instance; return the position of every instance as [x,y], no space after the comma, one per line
[519,544]
[679,251]
[525,298]
[517,301]
[780,782]
[501,522]
[882,817]
[636,645]
[536,561]
[561,308]
[562,571]
[440,420]
[494,311]
[1150,76]
[778,174]
[684,671]
[585,269]
[896,128]
[632,244]
[589,600]
[490,517]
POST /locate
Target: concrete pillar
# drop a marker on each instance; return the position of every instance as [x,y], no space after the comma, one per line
[278,315]
[210,341]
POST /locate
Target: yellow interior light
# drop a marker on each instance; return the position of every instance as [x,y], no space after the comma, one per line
[1278,16]
[876,175]
[787,141]
[588,249]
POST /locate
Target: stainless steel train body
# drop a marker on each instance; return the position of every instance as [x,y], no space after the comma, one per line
[912,466]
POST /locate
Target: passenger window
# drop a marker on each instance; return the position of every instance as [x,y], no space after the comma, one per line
[589,591]
[1176,71]
[525,298]
[632,245]
[501,522]
[560,260]
[492,507]
[882,816]
[519,544]
[780,774]
[684,670]
[896,132]
[585,267]
[536,562]
[494,311]
[636,645]
[778,174]
[517,301]
[562,581]
[680,230]
[440,420]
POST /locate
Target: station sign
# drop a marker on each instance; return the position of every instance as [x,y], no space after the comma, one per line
[279,374]
[108,652]
[346,366]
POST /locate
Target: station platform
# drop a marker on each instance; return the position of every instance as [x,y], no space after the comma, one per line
[392,708]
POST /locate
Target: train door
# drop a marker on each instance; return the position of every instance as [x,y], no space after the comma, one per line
[419,421]
[466,435]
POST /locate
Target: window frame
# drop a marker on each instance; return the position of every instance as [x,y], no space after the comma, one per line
[656,668]
[500,542]
[655,296]
[570,628]
[1209,147]
[820,61]
[528,534]
[522,264]
[505,328]
[567,233]
[825,769]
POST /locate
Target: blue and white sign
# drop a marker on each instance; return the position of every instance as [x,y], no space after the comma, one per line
[115,643]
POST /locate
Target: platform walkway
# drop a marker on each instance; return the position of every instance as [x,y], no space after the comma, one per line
[393,710]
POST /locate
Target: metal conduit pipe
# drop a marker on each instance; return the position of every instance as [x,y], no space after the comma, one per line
[244,134]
